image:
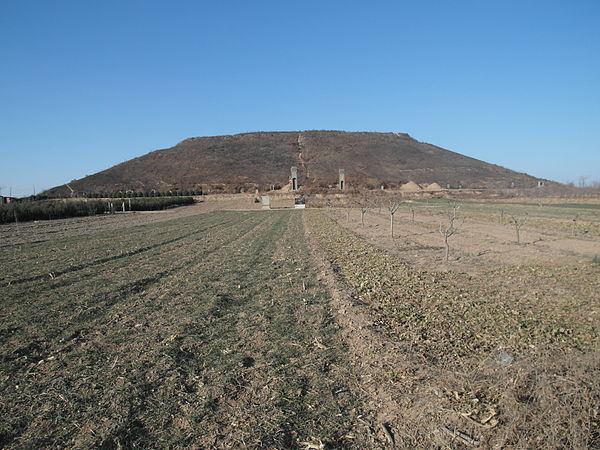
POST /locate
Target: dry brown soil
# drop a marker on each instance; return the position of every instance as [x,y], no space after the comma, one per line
[44,230]
[477,246]
[499,358]
[277,329]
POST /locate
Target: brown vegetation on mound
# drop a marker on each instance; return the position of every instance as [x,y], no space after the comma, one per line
[262,160]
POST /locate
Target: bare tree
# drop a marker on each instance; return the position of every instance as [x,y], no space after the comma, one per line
[518,223]
[574,224]
[364,206]
[455,208]
[392,208]
[376,203]
[412,211]
[448,231]
[502,213]
[16,220]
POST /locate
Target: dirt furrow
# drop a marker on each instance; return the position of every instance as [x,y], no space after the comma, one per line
[234,348]
[444,357]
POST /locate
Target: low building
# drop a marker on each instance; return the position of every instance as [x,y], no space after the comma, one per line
[5,200]
[299,203]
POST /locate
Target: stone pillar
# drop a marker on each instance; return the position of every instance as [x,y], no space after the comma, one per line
[342,179]
[294,178]
[266,202]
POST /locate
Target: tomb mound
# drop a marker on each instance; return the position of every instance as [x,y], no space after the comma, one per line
[249,161]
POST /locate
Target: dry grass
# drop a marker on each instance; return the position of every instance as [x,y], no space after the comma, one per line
[509,357]
[202,332]
[217,331]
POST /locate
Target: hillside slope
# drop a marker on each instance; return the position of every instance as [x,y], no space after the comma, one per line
[263,159]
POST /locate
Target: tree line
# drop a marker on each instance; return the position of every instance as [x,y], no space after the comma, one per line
[62,209]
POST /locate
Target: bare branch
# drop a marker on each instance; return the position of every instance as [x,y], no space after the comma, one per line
[574,224]
[364,205]
[392,208]
[449,230]
[518,223]
[394,205]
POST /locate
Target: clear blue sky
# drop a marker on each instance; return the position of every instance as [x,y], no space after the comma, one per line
[85,85]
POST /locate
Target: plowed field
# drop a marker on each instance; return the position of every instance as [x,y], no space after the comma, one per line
[297,329]
[207,331]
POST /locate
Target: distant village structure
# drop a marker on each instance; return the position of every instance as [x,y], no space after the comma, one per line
[5,200]
[342,179]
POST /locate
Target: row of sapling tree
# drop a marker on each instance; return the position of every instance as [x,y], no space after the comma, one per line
[364,205]
[446,230]
[518,222]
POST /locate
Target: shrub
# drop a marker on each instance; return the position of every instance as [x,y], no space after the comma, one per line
[157,203]
[62,209]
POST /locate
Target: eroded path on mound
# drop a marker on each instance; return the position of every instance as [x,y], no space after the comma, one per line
[210,331]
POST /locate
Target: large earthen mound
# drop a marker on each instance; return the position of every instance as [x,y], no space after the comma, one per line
[262,160]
